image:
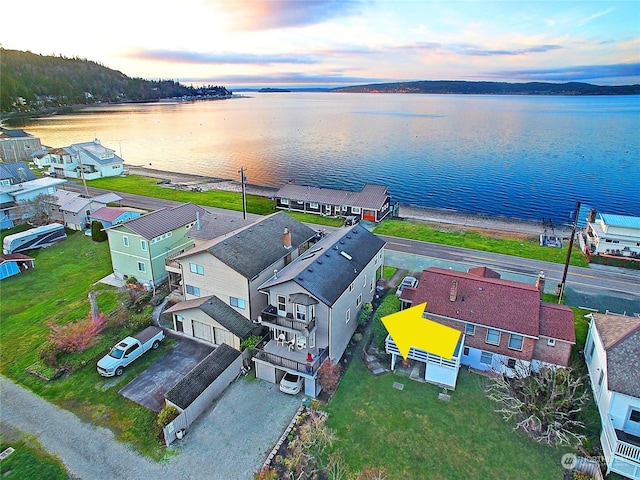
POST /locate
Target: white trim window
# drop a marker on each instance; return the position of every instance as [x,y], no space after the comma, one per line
[469,329]
[191,290]
[359,301]
[281,301]
[347,315]
[284,201]
[356,209]
[142,267]
[486,358]
[237,302]
[493,336]
[551,342]
[195,268]
[125,241]
[515,341]
[143,245]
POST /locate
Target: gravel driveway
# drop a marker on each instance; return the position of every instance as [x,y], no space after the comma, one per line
[230,441]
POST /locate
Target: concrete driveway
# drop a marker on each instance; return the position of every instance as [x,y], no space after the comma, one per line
[148,388]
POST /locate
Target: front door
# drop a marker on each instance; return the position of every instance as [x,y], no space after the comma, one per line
[632,424]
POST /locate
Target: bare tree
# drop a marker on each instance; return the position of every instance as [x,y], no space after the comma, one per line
[545,404]
[37,210]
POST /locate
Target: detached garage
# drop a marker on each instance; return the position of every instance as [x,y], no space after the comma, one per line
[200,387]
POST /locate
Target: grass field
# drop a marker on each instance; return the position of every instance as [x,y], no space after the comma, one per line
[56,290]
[412,434]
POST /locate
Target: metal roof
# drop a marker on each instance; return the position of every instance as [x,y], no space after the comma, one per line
[18,172]
[370,197]
[162,221]
[624,221]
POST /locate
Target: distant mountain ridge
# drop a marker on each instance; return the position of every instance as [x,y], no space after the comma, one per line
[492,88]
[34,83]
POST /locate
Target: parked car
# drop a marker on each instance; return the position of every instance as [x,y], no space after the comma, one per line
[408,281]
[351,220]
[128,349]
[291,383]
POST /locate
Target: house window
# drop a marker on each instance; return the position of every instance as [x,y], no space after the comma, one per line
[634,416]
[143,245]
[351,287]
[237,302]
[486,358]
[344,208]
[592,348]
[282,304]
[551,342]
[313,205]
[179,325]
[511,363]
[195,268]
[359,300]
[373,285]
[191,290]
[348,315]
[600,378]
[312,339]
[515,341]
[125,241]
[469,329]
[355,210]
[364,283]
[493,336]
[465,352]
[284,201]
[301,313]
[142,267]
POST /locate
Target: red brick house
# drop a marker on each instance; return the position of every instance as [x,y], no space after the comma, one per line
[503,321]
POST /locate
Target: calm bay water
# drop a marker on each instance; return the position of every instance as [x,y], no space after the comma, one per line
[516,156]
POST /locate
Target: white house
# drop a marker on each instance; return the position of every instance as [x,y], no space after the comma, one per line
[92,158]
[612,353]
[614,234]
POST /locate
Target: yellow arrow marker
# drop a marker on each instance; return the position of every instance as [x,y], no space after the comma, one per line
[408,329]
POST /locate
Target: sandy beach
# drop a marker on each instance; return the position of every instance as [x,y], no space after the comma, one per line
[446,219]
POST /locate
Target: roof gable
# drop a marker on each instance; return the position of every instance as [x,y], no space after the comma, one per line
[162,221]
[17,172]
[491,302]
[255,248]
[620,337]
[332,264]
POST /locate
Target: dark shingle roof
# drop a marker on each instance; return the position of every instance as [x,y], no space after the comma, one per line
[214,225]
[371,196]
[18,172]
[14,133]
[620,337]
[162,221]
[255,248]
[332,264]
[197,380]
[219,311]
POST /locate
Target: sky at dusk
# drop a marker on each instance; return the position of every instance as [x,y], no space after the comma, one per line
[308,43]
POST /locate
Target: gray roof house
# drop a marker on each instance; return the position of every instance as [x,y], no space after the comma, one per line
[231,267]
[612,354]
[372,203]
[313,304]
[139,246]
[74,209]
[14,173]
[16,145]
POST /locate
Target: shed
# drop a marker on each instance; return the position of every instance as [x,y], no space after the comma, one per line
[14,263]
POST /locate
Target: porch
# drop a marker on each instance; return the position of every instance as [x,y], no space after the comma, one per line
[270,318]
[282,355]
[621,451]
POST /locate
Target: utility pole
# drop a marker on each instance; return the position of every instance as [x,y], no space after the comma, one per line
[244,193]
[566,263]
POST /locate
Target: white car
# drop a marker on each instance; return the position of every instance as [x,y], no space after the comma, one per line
[411,282]
[291,383]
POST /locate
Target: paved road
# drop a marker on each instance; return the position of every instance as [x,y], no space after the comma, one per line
[596,287]
[228,442]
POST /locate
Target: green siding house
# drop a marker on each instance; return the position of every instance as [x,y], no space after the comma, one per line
[140,245]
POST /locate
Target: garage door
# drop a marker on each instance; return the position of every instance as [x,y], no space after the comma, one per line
[223,336]
[202,330]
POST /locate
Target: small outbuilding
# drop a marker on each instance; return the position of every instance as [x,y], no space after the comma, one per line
[14,263]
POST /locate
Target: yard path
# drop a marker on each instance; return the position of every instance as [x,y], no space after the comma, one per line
[229,441]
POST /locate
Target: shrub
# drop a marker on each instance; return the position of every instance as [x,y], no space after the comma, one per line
[77,336]
[250,343]
[167,415]
[267,473]
[365,313]
[97,232]
[48,353]
[329,376]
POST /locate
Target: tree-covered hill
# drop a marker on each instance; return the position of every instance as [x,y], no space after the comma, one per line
[31,83]
[493,88]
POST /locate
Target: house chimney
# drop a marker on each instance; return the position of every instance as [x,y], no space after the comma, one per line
[275,273]
[592,215]
[286,239]
[540,281]
[453,294]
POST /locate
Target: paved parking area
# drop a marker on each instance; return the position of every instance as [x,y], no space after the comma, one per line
[148,388]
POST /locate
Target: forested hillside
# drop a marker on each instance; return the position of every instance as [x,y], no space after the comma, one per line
[30,82]
[493,88]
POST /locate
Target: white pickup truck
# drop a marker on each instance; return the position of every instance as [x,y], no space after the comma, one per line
[127,350]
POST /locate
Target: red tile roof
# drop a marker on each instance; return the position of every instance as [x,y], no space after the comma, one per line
[484,299]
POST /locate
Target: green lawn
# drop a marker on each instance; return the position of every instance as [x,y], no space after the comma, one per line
[518,247]
[56,290]
[412,434]
[30,461]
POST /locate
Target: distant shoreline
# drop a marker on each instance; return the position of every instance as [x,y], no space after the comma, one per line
[437,216]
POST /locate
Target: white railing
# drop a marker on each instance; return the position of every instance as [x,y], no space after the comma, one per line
[421,355]
[619,448]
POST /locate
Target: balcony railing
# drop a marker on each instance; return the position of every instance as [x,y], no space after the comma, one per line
[620,448]
[289,364]
[270,317]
